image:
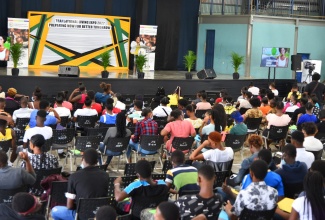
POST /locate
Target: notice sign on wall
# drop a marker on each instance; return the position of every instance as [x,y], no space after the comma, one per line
[78,40]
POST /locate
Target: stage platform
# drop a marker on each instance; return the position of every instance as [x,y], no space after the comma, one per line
[127,82]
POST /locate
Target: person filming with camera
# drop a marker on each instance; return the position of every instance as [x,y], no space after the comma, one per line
[315,87]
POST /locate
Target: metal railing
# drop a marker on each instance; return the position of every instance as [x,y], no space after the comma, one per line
[288,8]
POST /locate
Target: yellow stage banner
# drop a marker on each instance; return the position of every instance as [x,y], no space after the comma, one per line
[77,40]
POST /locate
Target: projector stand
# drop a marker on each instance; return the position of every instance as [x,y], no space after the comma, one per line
[269,75]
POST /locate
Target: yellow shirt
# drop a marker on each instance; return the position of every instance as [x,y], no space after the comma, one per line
[298,94]
[7,136]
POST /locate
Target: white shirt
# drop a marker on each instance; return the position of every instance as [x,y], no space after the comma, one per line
[244,104]
[254,90]
[84,112]
[21,113]
[276,92]
[45,131]
[159,112]
[312,144]
[120,105]
[305,156]
[216,155]
[292,108]
[275,120]
[299,205]
[63,111]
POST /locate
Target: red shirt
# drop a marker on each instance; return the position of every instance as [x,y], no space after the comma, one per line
[115,111]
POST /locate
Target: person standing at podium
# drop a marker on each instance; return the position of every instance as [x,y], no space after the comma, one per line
[135,47]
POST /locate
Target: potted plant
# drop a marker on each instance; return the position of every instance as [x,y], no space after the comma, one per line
[236,61]
[16,53]
[140,60]
[189,60]
[106,61]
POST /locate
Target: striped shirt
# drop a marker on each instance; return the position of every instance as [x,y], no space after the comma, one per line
[184,177]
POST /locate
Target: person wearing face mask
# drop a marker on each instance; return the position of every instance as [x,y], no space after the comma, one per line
[273,89]
[89,182]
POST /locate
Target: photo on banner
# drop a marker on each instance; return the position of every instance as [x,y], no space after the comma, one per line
[18,31]
[148,35]
[78,40]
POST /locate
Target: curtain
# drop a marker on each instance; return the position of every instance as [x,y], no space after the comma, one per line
[64,6]
[4,5]
[88,7]
[30,5]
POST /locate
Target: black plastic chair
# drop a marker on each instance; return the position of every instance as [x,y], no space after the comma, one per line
[167,166]
[40,175]
[276,133]
[103,125]
[97,132]
[188,192]
[87,208]
[48,145]
[158,176]
[64,121]
[101,167]
[6,195]
[220,178]
[253,125]
[124,217]
[292,190]
[19,137]
[117,145]
[182,144]
[57,194]
[201,113]
[247,214]
[243,110]
[87,121]
[151,143]
[21,123]
[317,154]
[236,142]
[320,136]
[5,145]
[62,137]
[126,180]
[129,169]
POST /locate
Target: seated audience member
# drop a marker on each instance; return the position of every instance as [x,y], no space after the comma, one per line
[265,107]
[36,99]
[3,105]
[229,107]
[120,102]
[270,96]
[119,131]
[178,127]
[52,118]
[109,117]
[311,205]
[190,112]
[24,207]
[198,97]
[240,128]
[8,134]
[203,104]
[94,105]
[107,93]
[255,143]
[167,211]
[182,103]
[106,213]
[78,96]
[65,103]
[160,93]
[314,100]
[162,110]
[87,111]
[253,89]
[136,115]
[301,110]
[254,112]
[182,176]
[321,124]
[257,196]
[136,98]
[273,89]
[89,182]
[223,94]
[39,129]
[145,188]
[308,116]
[214,120]
[291,171]
[311,143]
[271,179]
[175,97]
[14,178]
[297,140]
[273,107]
[244,103]
[242,92]
[294,89]
[262,94]
[218,153]
[145,127]
[292,105]
[23,112]
[206,202]
[60,109]
[11,104]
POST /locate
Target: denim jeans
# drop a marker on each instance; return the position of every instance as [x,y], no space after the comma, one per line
[135,146]
[225,196]
[109,154]
[63,213]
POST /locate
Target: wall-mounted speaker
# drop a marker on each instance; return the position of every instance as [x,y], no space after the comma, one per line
[296,62]
[206,74]
[69,71]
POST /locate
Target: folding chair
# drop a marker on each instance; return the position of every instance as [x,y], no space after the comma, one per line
[236,142]
[253,125]
[150,143]
[40,175]
[57,195]
[129,169]
[167,166]
[62,138]
[220,178]
[201,113]
[82,143]
[48,145]
[247,214]
[19,137]
[7,194]
[158,176]
[97,132]
[276,133]
[64,121]
[87,121]
[5,145]
[21,123]
[87,208]
[182,144]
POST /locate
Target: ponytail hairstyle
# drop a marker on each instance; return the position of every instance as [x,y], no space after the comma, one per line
[37,93]
[191,108]
[105,86]
[219,117]
[82,87]
[120,125]
[38,141]
[314,188]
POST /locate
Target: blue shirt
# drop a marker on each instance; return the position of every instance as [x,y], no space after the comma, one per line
[101,97]
[272,179]
[244,168]
[307,118]
[50,120]
[108,119]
